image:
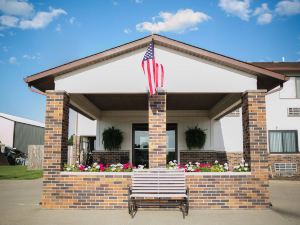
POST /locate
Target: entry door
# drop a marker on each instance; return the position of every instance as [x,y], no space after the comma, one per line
[140,143]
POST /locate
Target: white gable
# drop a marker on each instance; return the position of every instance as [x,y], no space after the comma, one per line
[183,74]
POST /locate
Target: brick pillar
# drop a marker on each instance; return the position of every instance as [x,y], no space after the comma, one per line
[255,140]
[157,130]
[56,132]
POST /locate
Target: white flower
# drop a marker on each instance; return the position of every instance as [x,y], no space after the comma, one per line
[243,161]
[141,166]
[174,161]
[113,169]
[119,165]
[216,162]
[68,169]
[97,167]
[236,167]
[89,167]
[241,165]
[85,169]
[77,162]
[197,163]
[246,164]
[190,163]
[225,164]
[226,168]
[95,164]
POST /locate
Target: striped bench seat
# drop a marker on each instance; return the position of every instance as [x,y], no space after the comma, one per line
[166,186]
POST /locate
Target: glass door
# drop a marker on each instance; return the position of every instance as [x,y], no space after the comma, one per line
[140,144]
[140,136]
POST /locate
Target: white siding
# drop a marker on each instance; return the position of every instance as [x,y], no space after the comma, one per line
[277,106]
[7,131]
[184,74]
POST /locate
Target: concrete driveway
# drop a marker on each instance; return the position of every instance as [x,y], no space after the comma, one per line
[19,205]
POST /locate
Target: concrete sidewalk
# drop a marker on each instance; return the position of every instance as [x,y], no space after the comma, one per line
[19,205]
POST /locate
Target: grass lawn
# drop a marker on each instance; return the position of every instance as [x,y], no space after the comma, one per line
[19,173]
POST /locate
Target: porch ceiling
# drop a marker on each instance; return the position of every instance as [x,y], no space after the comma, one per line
[203,101]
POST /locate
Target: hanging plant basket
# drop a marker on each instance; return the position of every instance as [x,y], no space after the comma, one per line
[112,139]
[195,137]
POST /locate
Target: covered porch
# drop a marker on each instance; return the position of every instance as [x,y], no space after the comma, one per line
[201,88]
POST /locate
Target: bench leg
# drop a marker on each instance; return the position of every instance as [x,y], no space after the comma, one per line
[187,206]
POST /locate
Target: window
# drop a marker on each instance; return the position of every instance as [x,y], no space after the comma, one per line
[297,79]
[283,141]
[293,112]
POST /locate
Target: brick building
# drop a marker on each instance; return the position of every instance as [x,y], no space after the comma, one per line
[201,89]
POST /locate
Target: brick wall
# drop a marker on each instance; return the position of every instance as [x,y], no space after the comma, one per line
[87,191]
[157,130]
[101,191]
[56,131]
[111,156]
[255,141]
[232,158]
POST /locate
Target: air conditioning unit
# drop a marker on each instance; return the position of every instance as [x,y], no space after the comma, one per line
[294,112]
[285,169]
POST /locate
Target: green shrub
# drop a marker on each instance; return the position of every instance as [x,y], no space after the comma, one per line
[195,137]
[112,138]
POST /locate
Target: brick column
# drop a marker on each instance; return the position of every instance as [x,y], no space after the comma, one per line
[255,140]
[157,130]
[56,132]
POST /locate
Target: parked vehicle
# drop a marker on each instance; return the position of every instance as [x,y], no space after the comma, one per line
[15,156]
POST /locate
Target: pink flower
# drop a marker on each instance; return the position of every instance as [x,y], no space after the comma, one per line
[81,167]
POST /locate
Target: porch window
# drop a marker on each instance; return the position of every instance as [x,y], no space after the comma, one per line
[283,141]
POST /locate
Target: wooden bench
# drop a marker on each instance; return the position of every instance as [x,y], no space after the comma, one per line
[163,188]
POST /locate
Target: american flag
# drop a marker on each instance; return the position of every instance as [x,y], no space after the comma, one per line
[154,71]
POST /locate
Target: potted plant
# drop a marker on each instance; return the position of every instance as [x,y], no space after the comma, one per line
[195,137]
[112,139]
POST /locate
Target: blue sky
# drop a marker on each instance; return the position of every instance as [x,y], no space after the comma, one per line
[37,35]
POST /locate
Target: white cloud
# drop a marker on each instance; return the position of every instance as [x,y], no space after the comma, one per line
[20,14]
[288,7]
[16,7]
[9,21]
[72,20]
[58,28]
[127,31]
[263,13]
[31,57]
[12,60]
[41,19]
[180,21]
[240,8]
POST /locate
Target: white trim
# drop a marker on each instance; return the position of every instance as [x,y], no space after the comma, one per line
[96,173]
[218,173]
[22,120]
[130,173]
